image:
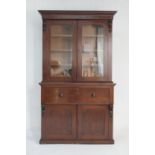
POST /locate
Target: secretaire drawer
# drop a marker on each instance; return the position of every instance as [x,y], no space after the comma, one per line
[52,95]
[95,95]
[77,95]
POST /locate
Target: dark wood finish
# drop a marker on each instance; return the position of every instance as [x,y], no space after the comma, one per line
[77,109]
[60,14]
[76,84]
[76,95]
[95,95]
[72,141]
[59,122]
[93,122]
[58,95]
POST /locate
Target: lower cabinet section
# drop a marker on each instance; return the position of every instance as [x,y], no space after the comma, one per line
[76,124]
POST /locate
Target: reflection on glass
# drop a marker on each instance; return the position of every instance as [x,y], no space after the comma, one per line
[61,51]
[92,51]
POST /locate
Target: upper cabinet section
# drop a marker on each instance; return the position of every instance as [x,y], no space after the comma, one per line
[77,45]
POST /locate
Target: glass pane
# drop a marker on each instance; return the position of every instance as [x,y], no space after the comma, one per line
[61,50]
[92,51]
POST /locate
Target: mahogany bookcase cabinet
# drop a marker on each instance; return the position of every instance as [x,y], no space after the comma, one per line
[77,87]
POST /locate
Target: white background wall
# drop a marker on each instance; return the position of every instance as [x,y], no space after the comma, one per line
[120,75]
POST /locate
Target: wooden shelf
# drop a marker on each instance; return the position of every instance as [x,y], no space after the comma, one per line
[92,36]
[92,66]
[61,66]
[60,50]
[64,35]
[94,51]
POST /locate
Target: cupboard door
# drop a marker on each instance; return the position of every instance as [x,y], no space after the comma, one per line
[58,122]
[60,51]
[93,122]
[92,48]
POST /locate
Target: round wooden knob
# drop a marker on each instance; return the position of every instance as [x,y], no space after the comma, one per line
[61,94]
[93,95]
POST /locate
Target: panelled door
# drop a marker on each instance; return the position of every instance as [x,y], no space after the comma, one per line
[93,122]
[59,122]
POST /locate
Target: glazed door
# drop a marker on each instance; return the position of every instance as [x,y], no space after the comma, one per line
[59,122]
[60,48]
[92,50]
[93,122]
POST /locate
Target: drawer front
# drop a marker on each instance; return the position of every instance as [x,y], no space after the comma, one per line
[52,95]
[95,95]
[76,95]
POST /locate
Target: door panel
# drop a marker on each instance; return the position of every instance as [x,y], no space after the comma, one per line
[92,122]
[92,50]
[58,122]
[61,50]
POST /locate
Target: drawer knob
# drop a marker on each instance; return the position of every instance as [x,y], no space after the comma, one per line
[61,94]
[93,95]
